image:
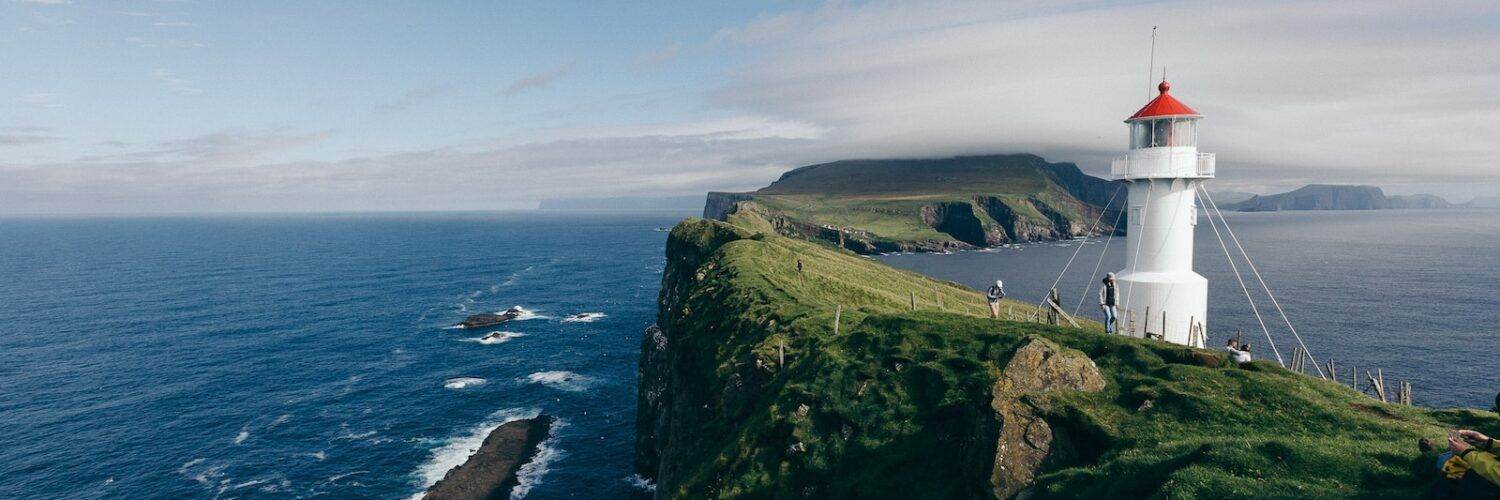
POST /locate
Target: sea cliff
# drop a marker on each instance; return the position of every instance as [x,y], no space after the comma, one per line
[876,206]
[852,379]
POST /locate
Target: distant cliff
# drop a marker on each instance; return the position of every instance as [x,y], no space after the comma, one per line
[873,206]
[1337,197]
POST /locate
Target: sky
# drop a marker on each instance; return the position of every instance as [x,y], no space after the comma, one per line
[199,106]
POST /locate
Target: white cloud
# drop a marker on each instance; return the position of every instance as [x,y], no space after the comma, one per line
[173,24]
[1348,89]
[42,99]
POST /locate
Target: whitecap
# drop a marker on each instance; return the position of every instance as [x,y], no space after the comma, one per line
[244,434]
[279,420]
[491,338]
[320,455]
[463,382]
[588,317]
[530,474]
[562,380]
[457,449]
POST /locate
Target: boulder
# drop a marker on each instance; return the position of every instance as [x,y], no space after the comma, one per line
[1025,440]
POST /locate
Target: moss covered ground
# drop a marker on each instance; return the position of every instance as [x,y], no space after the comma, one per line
[896,403]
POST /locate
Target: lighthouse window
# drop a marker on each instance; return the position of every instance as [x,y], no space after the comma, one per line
[1184,132]
[1140,135]
[1135,216]
[1161,133]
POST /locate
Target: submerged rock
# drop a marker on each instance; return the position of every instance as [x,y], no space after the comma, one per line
[490,473]
[1026,441]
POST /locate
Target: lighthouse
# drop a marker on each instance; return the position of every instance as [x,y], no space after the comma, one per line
[1159,294]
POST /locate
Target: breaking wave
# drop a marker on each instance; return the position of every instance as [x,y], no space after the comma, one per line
[588,317]
[532,472]
[463,382]
[500,337]
[562,380]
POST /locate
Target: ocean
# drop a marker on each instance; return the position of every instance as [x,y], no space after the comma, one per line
[273,356]
[1414,293]
[311,356]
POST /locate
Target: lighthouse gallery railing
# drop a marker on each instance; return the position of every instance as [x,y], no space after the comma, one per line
[1150,164]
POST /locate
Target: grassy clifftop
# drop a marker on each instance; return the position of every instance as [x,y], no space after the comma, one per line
[931,204]
[747,390]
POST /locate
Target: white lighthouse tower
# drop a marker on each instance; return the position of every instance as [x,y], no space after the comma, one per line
[1159,294]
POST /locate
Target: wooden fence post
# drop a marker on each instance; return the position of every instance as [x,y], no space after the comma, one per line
[913,301]
[838,310]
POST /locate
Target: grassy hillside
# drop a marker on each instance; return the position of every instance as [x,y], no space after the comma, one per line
[929,204]
[747,390]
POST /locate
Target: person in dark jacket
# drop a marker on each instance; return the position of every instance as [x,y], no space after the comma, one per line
[996,293]
[1108,297]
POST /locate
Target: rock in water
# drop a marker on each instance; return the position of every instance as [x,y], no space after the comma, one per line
[482,320]
[490,473]
[1025,439]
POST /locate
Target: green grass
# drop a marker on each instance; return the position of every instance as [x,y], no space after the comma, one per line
[897,402]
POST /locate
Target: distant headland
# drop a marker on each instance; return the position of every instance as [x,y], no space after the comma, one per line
[902,205]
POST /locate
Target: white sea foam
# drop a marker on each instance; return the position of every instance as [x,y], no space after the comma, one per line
[496,338]
[463,382]
[456,449]
[320,455]
[531,473]
[641,482]
[562,380]
[242,436]
[526,314]
[588,317]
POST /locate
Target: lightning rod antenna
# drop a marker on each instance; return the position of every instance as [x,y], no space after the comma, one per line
[1151,67]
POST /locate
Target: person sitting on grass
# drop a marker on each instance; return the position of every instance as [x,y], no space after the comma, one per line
[1479,451]
[1457,477]
[1235,353]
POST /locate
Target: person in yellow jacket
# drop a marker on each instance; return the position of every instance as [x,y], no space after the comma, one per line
[1478,450]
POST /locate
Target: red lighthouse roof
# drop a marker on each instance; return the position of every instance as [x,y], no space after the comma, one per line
[1163,105]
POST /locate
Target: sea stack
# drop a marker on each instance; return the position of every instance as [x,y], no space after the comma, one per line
[491,472]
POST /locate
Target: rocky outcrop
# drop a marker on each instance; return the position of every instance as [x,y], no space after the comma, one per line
[1026,442]
[957,220]
[491,472]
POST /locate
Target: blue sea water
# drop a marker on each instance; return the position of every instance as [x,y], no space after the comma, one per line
[310,356]
[1415,293]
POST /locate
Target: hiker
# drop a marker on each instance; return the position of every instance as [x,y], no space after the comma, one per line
[996,293]
[799,266]
[1108,296]
[1244,356]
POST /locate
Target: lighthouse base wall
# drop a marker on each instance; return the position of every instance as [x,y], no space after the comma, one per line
[1145,297]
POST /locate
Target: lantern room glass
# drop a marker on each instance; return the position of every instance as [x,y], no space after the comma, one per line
[1165,132]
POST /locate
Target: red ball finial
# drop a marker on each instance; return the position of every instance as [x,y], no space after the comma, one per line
[1164,86]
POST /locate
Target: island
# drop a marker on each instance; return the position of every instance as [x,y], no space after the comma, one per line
[491,472]
[928,205]
[1337,197]
[846,378]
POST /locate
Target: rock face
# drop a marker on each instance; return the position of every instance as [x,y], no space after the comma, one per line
[929,205]
[1026,442]
[1336,197]
[490,473]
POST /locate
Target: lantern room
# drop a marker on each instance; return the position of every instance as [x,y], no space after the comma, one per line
[1164,122]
